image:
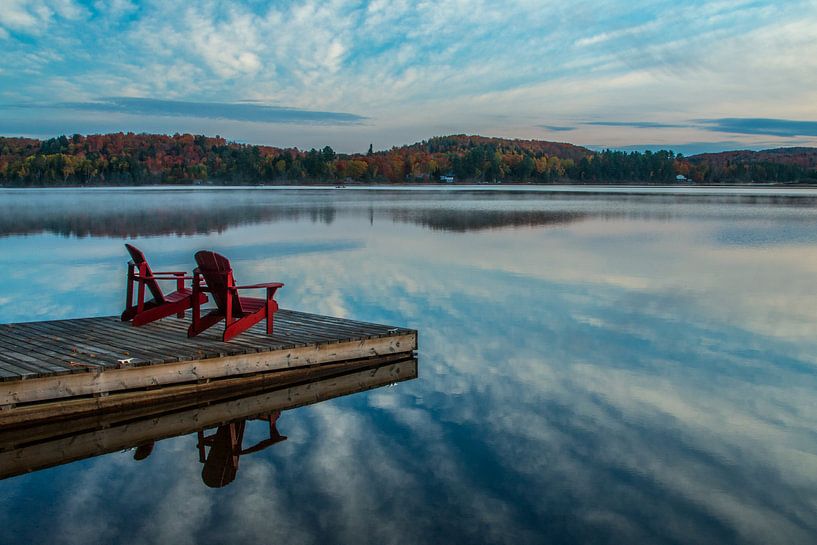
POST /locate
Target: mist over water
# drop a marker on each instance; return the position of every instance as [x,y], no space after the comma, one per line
[593,367]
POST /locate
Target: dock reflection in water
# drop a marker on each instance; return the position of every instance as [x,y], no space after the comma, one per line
[219,420]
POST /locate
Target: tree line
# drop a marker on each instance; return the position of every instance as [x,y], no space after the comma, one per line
[144,159]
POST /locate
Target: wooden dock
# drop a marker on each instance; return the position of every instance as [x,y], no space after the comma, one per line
[187,410]
[60,360]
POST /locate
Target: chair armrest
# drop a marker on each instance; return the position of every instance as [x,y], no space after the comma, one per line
[263,444]
[174,273]
[259,286]
[159,276]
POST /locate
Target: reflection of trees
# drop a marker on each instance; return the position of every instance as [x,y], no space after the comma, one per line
[475,220]
[131,215]
[787,201]
[565,208]
[82,222]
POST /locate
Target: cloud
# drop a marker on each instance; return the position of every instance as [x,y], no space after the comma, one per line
[115,7]
[636,124]
[687,148]
[414,73]
[557,128]
[33,16]
[238,111]
[761,126]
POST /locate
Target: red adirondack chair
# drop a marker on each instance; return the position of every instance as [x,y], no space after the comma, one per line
[239,313]
[162,305]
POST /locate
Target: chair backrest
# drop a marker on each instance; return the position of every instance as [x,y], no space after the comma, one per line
[139,258]
[221,465]
[216,269]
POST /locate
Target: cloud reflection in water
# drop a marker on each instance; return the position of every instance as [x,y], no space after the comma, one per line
[634,372]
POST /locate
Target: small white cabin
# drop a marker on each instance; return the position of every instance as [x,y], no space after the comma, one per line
[447,179]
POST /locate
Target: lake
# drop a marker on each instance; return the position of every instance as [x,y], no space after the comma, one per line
[595,367]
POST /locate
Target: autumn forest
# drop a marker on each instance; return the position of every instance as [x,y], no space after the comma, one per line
[145,159]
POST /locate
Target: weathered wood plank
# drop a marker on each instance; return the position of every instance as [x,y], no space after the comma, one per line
[364,326]
[61,359]
[77,414]
[110,380]
[328,326]
[148,346]
[36,340]
[126,333]
[10,370]
[170,331]
[32,365]
[32,342]
[64,359]
[100,348]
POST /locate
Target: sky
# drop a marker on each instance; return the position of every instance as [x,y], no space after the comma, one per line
[693,76]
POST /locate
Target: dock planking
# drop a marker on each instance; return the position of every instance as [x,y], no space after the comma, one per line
[62,359]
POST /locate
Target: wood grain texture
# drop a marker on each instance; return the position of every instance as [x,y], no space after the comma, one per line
[91,356]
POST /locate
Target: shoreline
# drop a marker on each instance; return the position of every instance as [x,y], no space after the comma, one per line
[809,190]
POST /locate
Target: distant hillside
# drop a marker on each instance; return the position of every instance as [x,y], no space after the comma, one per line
[461,144]
[778,164]
[139,159]
[804,157]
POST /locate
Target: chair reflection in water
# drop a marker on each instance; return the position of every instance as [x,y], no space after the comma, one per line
[226,447]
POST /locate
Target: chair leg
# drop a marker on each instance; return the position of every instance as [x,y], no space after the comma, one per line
[180,287]
[208,320]
[151,314]
[200,444]
[130,310]
[242,324]
[272,306]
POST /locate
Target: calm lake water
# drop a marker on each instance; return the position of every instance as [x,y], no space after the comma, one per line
[593,368]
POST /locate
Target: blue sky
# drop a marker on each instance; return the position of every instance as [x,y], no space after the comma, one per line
[694,76]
